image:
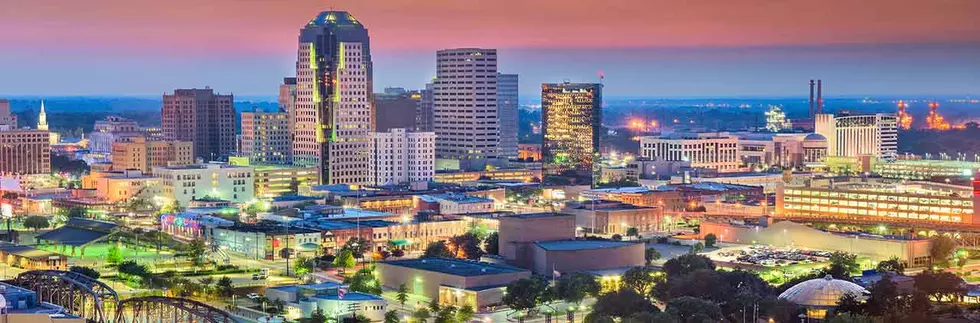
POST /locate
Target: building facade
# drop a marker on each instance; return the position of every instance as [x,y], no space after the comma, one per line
[25,152]
[424,116]
[8,120]
[202,117]
[216,181]
[125,185]
[110,130]
[399,157]
[266,137]
[287,102]
[507,112]
[334,110]
[571,119]
[873,135]
[397,108]
[714,150]
[465,116]
[144,155]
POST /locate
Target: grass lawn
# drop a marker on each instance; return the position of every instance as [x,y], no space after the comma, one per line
[98,252]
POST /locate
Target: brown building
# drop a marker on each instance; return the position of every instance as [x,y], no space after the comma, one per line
[203,117]
[518,232]
[30,258]
[609,217]
[452,281]
[25,152]
[144,155]
[7,119]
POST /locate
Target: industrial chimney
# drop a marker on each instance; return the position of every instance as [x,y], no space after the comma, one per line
[819,97]
[811,99]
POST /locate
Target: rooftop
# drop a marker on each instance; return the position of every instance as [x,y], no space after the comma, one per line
[340,18]
[461,198]
[538,215]
[458,267]
[568,245]
[270,229]
[26,251]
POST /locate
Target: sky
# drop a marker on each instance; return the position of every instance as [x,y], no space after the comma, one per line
[658,48]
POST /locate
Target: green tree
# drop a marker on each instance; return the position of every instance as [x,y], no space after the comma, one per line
[447,314]
[892,265]
[941,286]
[304,265]
[622,304]
[195,252]
[402,296]
[466,246]
[465,313]
[36,222]
[357,246]
[364,281]
[573,288]
[694,310]
[91,273]
[491,244]
[616,237]
[224,287]
[697,248]
[434,306]
[421,315]
[344,260]
[842,265]
[526,293]
[710,240]
[686,264]
[392,317]
[437,249]
[75,212]
[316,317]
[639,279]
[633,232]
[941,249]
[113,255]
[650,255]
[594,317]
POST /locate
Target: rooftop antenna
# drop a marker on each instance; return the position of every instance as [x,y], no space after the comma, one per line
[601,76]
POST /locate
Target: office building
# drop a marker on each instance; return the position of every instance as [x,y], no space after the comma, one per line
[25,152]
[280,180]
[713,150]
[141,154]
[334,111]
[8,120]
[507,112]
[287,102]
[121,186]
[265,137]
[110,130]
[874,135]
[202,117]
[423,118]
[571,118]
[399,157]
[465,116]
[397,108]
[215,181]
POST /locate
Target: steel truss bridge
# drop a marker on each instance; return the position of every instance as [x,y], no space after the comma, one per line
[95,301]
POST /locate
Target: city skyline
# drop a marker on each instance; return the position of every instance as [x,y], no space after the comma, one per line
[916,48]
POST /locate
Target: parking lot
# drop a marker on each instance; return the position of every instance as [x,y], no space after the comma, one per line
[768,256]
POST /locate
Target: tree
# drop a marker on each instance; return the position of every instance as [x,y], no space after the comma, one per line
[402,296]
[697,248]
[113,255]
[195,252]
[573,288]
[304,265]
[633,232]
[842,265]
[491,244]
[850,318]
[594,317]
[941,286]
[466,246]
[892,265]
[694,310]
[639,279]
[465,313]
[437,249]
[224,287]
[364,281]
[650,255]
[357,246]
[702,283]
[941,249]
[446,314]
[317,316]
[91,273]
[617,237]
[686,264]
[710,240]
[75,212]
[392,317]
[345,259]
[622,303]
[36,222]
[525,293]
[398,253]
[420,315]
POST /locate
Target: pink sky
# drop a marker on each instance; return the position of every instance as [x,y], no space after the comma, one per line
[269,26]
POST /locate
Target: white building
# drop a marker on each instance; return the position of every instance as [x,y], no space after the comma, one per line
[465,117]
[333,109]
[453,203]
[859,135]
[266,138]
[302,300]
[399,157]
[108,131]
[214,180]
[714,150]
[787,150]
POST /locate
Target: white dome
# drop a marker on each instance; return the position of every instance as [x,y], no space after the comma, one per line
[822,292]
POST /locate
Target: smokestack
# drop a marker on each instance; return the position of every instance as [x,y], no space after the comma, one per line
[819,97]
[811,99]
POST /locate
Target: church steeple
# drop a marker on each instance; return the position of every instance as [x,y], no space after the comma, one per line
[42,118]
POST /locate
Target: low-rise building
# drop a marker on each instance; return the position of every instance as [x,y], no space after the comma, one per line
[114,187]
[924,169]
[212,180]
[454,203]
[268,242]
[714,150]
[512,175]
[566,256]
[145,155]
[302,300]
[191,226]
[610,217]
[30,258]
[454,282]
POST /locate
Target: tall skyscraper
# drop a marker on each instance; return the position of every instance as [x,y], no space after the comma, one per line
[287,102]
[334,112]
[571,118]
[465,107]
[203,117]
[423,118]
[8,120]
[265,137]
[396,108]
[507,98]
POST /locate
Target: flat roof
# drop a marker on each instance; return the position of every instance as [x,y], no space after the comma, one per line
[538,215]
[349,296]
[458,267]
[269,229]
[26,251]
[461,198]
[568,245]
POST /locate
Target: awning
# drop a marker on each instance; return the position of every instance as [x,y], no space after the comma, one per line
[401,242]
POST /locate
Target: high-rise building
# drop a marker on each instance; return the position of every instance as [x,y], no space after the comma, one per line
[203,117]
[714,150]
[144,155]
[423,118]
[212,180]
[287,102]
[396,108]
[334,112]
[8,120]
[465,107]
[265,137]
[25,152]
[507,105]
[399,156]
[571,118]
[874,135]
